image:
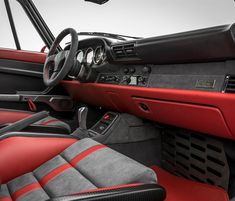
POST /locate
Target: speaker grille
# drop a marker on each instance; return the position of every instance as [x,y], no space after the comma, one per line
[195,157]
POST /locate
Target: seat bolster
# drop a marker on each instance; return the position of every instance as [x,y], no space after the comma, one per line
[50,121]
[10,116]
[20,155]
[150,192]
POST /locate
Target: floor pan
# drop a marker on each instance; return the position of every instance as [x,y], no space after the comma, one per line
[180,189]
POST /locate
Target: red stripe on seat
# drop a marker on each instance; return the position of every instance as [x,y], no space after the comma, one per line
[51,175]
[25,189]
[50,121]
[54,173]
[5,199]
[86,153]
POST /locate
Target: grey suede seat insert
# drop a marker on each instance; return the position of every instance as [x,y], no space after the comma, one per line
[51,121]
[85,165]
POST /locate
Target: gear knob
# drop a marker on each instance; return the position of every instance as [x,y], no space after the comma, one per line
[82,117]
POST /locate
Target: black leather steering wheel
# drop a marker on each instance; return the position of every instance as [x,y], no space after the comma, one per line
[58,65]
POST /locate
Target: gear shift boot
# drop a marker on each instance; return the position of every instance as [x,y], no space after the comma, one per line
[82,131]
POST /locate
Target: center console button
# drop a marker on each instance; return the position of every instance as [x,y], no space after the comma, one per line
[126,70]
[132,70]
[146,70]
[106,117]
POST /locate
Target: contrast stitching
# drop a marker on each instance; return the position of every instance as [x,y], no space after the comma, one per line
[41,185]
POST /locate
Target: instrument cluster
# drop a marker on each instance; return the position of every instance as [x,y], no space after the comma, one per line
[91,56]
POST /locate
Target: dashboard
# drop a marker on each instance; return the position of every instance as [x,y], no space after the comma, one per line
[185,80]
[179,61]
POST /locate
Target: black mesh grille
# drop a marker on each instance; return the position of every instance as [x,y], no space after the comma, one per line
[196,157]
[229,86]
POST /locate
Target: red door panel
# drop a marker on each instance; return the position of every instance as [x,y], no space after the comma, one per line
[20,55]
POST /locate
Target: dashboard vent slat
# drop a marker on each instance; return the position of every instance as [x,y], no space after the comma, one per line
[229,84]
[124,51]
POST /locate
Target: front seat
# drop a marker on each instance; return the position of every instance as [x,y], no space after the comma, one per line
[39,168]
[8,116]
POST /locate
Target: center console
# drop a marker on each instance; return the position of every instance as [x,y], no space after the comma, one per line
[104,124]
[113,128]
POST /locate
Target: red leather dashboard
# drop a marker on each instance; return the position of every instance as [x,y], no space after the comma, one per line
[207,112]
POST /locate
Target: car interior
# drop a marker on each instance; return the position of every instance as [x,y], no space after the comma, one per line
[146,119]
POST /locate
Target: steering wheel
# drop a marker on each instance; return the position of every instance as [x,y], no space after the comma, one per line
[58,65]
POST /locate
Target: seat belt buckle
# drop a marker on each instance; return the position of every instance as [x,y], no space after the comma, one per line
[32,106]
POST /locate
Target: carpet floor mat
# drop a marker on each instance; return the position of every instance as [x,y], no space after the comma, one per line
[180,189]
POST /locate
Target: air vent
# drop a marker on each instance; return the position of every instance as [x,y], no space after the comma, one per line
[124,51]
[229,84]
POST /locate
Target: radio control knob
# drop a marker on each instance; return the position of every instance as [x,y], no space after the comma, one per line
[126,70]
[102,78]
[126,79]
[132,70]
[141,79]
[146,70]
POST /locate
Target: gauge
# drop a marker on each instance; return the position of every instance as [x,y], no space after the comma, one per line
[80,56]
[89,56]
[99,55]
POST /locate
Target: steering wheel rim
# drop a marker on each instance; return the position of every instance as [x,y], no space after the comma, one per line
[62,62]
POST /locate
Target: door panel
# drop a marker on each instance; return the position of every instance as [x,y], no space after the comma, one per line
[20,71]
[20,76]
[20,55]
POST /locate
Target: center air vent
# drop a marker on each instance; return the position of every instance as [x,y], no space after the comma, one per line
[124,51]
[229,86]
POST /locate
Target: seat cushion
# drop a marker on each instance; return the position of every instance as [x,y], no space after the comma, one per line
[10,116]
[86,165]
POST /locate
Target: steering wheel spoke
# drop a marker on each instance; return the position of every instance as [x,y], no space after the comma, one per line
[54,74]
[58,65]
[50,59]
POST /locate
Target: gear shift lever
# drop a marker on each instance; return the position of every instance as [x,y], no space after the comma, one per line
[82,132]
[82,117]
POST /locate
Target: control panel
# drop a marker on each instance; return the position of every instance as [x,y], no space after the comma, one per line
[127,76]
[104,123]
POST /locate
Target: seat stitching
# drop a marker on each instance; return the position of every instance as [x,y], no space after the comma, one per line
[9,191]
[85,176]
[47,193]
